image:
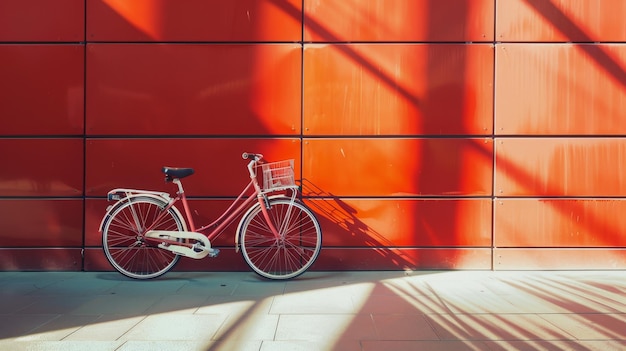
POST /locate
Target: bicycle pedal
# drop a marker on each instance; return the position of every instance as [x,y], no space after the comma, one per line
[214,252]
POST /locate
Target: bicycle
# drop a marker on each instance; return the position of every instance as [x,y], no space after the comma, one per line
[144,234]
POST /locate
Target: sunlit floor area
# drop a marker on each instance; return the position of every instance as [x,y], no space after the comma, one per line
[390,311]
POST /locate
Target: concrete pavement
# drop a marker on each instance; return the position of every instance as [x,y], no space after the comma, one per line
[390,311]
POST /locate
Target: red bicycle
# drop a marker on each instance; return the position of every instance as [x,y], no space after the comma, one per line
[144,234]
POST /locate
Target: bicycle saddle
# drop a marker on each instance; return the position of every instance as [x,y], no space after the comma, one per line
[174,172]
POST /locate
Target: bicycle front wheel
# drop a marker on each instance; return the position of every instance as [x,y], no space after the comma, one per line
[124,243]
[294,250]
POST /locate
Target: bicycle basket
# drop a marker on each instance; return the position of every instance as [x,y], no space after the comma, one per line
[278,175]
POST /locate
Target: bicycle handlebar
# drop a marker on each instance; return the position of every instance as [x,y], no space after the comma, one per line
[247,155]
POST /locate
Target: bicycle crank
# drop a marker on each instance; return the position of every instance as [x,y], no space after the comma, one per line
[199,250]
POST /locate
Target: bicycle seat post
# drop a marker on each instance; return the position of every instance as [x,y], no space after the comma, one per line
[180,186]
[183,198]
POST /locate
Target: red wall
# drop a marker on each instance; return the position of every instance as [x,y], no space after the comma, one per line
[429,134]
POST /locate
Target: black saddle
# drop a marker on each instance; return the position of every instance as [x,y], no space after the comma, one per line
[174,172]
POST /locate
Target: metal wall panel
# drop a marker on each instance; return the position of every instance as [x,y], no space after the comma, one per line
[560,223]
[94,212]
[364,223]
[95,261]
[560,167]
[194,20]
[364,258]
[560,89]
[41,167]
[408,89]
[561,20]
[41,89]
[333,259]
[393,222]
[398,167]
[41,259]
[398,20]
[193,89]
[41,222]
[219,168]
[42,20]
[559,258]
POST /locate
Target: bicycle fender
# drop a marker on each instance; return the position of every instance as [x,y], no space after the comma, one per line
[245,215]
[132,196]
[122,193]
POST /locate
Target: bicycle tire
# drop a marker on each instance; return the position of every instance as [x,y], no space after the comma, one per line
[286,257]
[123,238]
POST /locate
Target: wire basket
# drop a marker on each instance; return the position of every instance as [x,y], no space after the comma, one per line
[278,175]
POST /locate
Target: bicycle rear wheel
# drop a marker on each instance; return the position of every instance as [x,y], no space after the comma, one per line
[124,243]
[298,245]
